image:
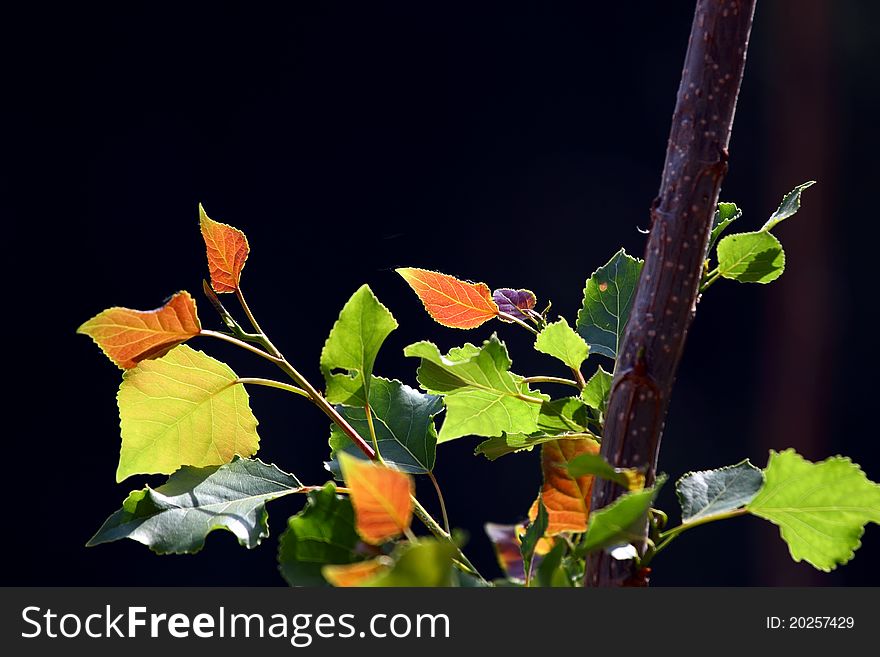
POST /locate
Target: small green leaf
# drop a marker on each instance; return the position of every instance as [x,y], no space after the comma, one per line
[596,392]
[510,443]
[608,298]
[821,509]
[352,345]
[712,492]
[620,521]
[322,533]
[427,563]
[534,533]
[791,203]
[596,465]
[560,341]
[751,257]
[182,409]
[176,517]
[404,422]
[482,396]
[725,215]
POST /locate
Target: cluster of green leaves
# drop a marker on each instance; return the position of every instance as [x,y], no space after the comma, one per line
[185,414]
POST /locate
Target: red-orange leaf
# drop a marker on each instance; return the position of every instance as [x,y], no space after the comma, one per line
[566,499]
[227,249]
[130,336]
[449,301]
[382,498]
[353,574]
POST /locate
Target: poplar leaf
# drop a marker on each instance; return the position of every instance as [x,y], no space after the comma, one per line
[182,409]
[482,396]
[791,203]
[130,336]
[608,298]
[382,498]
[751,257]
[712,492]
[450,301]
[514,302]
[227,249]
[821,509]
[597,466]
[510,443]
[567,498]
[403,419]
[322,533]
[560,341]
[353,345]
[725,215]
[176,517]
[533,535]
[598,387]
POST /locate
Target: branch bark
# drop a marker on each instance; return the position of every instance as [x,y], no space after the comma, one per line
[681,220]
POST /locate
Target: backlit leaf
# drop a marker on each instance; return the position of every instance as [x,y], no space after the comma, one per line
[821,509]
[711,492]
[403,419]
[566,498]
[352,345]
[608,298]
[182,409]
[177,516]
[355,574]
[482,396]
[598,387]
[514,302]
[227,250]
[382,498]
[725,215]
[791,203]
[595,465]
[509,443]
[130,336]
[751,257]
[619,522]
[322,533]
[426,563]
[534,534]
[450,301]
[560,341]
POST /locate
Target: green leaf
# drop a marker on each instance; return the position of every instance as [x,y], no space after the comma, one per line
[560,341]
[596,392]
[322,533]
[596,465]
[404,422]
[482,396]
[176,517]
[821,509]
[509,443]
[713,492]
[725,215]
[353,344]
[427,563]
[534,533]
[182,409]
[551,572]
[791,203]
[751,257]
[619,522]
[608,298]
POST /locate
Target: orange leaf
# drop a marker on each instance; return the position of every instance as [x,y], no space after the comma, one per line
[566,499]
[353,574]
[382,498]
[449,301]
[130,336]
[227,249]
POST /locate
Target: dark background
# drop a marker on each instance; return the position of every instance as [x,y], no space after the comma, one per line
[520,147]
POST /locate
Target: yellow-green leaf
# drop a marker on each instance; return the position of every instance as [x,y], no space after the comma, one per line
[182,409]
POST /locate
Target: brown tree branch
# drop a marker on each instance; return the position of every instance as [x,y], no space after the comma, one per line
[681,219]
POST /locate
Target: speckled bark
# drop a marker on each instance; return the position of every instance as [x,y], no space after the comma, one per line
[681,218]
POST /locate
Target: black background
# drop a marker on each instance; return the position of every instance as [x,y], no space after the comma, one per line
[516,146]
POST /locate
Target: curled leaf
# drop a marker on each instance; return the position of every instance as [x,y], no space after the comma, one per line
[129,336]
[514,302]
[450,301]
[227,250]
